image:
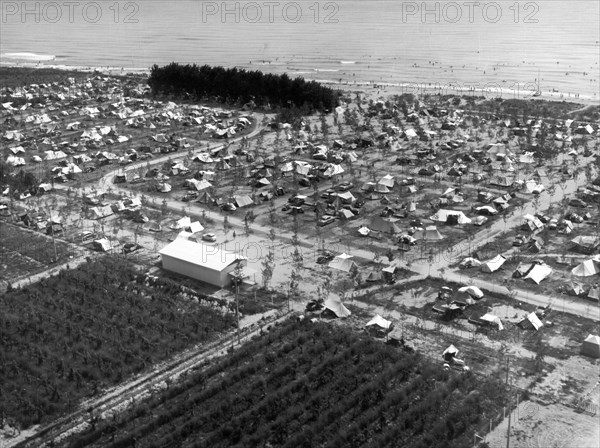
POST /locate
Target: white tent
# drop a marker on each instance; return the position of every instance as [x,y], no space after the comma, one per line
[473,291]
[533,187]
[364,231]
[531,320]
[387,180]
[494,264]
[526,158]
[539,273]
[195,227]
[333,170]
[491,319]
[337,308]
[442,216]
[451,351]
[591,346]
[181,223]
[430,233]
[586,268]
[470,262]
[342,262]
[380,322]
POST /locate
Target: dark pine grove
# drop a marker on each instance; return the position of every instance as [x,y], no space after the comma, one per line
[241,86]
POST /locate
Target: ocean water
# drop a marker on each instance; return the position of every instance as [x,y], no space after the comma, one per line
[515,46]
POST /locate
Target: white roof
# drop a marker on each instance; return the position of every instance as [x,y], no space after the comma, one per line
[586,269]
[593,339]
[442,216]
[493,320]
[342,262]
[380,322]
[430,233]
[539,273]
[212,257]
[387,180]
[472,291]
[337,307]
[196,227]
[493,264]
[535,321]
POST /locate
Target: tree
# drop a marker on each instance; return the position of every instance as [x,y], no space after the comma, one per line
[268,265]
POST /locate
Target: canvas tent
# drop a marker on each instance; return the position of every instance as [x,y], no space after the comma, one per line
[379,322]
[539,272]
[494,264]
[450,217]
[591,346]
[473,291]
[492,320]
[430,233]
[337,308]
[585,244]
[450,353]
[382,225]
[586,268]
[387,181]
[531,321]
[342,262]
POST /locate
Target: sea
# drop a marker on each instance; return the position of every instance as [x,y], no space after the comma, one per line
[516,48]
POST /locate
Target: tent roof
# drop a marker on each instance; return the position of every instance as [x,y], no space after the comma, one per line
[442,216]
[342,262]
[337,308]
[593,339]
[380,322]
[451,350]
[430,233]
[539,272]
[586,268]
[493,264]
[535,321]
[473,291]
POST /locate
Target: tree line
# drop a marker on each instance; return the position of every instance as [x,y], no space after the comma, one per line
[241,86]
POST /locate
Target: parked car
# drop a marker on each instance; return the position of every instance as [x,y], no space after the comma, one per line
[190,196]
[553,224]
[575,202]
[327,194]
[345,186]
[519,240]
[545,219]
[86,235]
[210,237]
[574,217]
[325,219]
[325,257]
[416,222]
[130,247]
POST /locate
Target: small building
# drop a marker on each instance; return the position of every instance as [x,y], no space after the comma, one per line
[209,264]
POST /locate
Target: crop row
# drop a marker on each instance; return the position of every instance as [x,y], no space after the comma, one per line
[311,384]
[67,336]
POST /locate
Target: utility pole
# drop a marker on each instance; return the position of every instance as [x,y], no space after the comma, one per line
[509,412]
[237,307]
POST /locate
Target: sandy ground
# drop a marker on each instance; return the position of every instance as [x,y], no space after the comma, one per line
[547,426]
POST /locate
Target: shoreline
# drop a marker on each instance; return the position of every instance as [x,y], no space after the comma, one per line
[389,88]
